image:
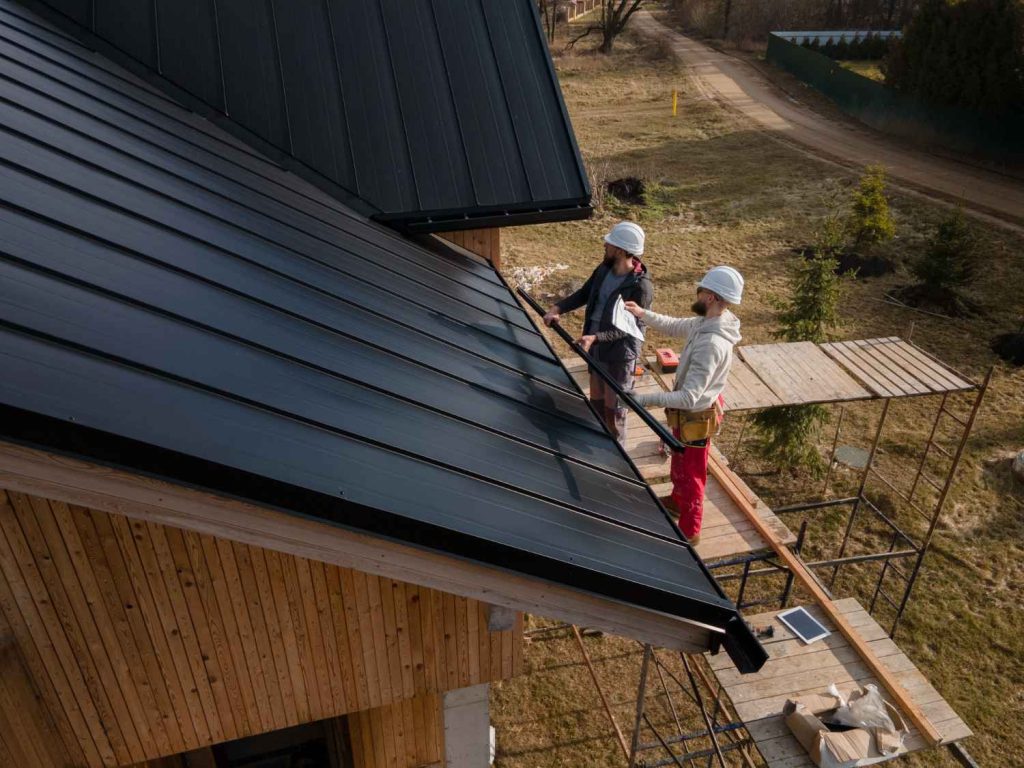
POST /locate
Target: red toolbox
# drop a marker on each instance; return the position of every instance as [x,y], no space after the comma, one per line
[668,360]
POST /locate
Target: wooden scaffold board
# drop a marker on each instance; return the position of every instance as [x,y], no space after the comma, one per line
[796,669]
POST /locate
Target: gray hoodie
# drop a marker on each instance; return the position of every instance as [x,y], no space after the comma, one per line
[703,363]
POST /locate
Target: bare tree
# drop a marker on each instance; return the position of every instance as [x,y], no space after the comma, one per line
[615,14]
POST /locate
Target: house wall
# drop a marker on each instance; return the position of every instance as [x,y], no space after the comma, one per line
[408,734]
[483,242]
[143,640]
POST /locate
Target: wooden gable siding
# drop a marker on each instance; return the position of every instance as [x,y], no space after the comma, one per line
[483,242]
[409,733]
[145,640]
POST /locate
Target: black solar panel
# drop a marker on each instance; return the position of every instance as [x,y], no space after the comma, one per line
[177,304]
[426,112]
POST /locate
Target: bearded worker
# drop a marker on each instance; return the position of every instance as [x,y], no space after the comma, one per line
[694,406]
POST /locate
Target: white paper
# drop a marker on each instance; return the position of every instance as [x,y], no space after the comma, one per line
[624,321]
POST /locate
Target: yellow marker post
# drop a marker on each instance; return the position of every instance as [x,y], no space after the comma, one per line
[675,101]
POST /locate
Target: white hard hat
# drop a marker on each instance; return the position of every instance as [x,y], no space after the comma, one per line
[627,236]
[726,282]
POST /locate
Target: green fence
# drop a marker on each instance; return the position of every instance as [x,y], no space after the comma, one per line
[880,107]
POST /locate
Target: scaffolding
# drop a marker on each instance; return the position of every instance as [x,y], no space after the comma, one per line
[874,369]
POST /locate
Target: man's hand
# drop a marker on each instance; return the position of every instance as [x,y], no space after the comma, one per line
[634,309]
[552,317]
[586,342]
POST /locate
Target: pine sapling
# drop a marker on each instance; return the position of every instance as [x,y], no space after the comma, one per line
[870,221]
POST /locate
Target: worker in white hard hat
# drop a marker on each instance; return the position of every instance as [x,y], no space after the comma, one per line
[694,406]
[621,273]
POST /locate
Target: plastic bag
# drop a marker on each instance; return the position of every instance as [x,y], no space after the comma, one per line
[865,710]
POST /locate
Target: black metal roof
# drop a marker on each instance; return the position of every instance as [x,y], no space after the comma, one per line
[427,115]
[173,303]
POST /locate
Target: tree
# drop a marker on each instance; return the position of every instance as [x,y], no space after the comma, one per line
[966,54]
[870,222]
[946,267]
[615,14]
[787,436]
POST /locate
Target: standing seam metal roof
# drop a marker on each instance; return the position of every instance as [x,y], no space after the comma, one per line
[173,303]
[435,115]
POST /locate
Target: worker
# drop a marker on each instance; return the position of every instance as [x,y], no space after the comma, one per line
[694,406]
[621,273]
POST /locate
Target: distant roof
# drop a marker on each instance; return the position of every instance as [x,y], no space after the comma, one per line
[429,116]
[175,304]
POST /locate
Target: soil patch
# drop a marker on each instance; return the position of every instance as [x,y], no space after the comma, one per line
[628,190]
[861,265]
[1010,347]
[944,301]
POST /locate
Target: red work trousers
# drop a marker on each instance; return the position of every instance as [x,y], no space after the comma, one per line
[689,474]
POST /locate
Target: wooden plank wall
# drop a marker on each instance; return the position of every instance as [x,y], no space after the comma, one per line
[407,734]
[145,640]
[28,737]
[484,242]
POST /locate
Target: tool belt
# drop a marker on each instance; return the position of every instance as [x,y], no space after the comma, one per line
[694,426]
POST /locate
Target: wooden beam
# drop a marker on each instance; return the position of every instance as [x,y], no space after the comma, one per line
[734,488]
[32,471]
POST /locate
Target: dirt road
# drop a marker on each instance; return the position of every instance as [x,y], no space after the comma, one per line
[739,86]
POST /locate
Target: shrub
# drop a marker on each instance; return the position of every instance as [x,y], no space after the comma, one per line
[946,267]
[870,222]
[968,54]
[787,436]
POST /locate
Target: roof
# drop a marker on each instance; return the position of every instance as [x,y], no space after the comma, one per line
[177,305]
[430,116]
[800,373]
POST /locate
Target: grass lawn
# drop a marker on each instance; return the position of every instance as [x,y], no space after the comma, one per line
[721,192]
[869,69]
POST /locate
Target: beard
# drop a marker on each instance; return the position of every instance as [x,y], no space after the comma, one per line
[699,307]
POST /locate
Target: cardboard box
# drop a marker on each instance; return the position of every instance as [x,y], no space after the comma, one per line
[842,749]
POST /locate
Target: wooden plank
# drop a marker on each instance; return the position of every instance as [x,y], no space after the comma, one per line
[261,718]
[209,654]
[392,655]
[65,594]
[161,565]
[68,553]
[145,573]
[745,390]
[366,637]
[863,357]
[954,380]
[303,644]
[264,593]
[288,636]
[881,351]
[37,608]
[929,378]
[246,562]
[64,711]
[155,707]
[235,720]
[843,354]
[222,616]
[339,615]
[800,373]
[329,635]
[361,679]
[804,577]
[27,730]
[159,670]
[314,637]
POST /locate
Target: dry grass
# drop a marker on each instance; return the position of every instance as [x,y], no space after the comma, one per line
[722,193]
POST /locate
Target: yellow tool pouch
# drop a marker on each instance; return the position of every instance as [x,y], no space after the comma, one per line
[694,426]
